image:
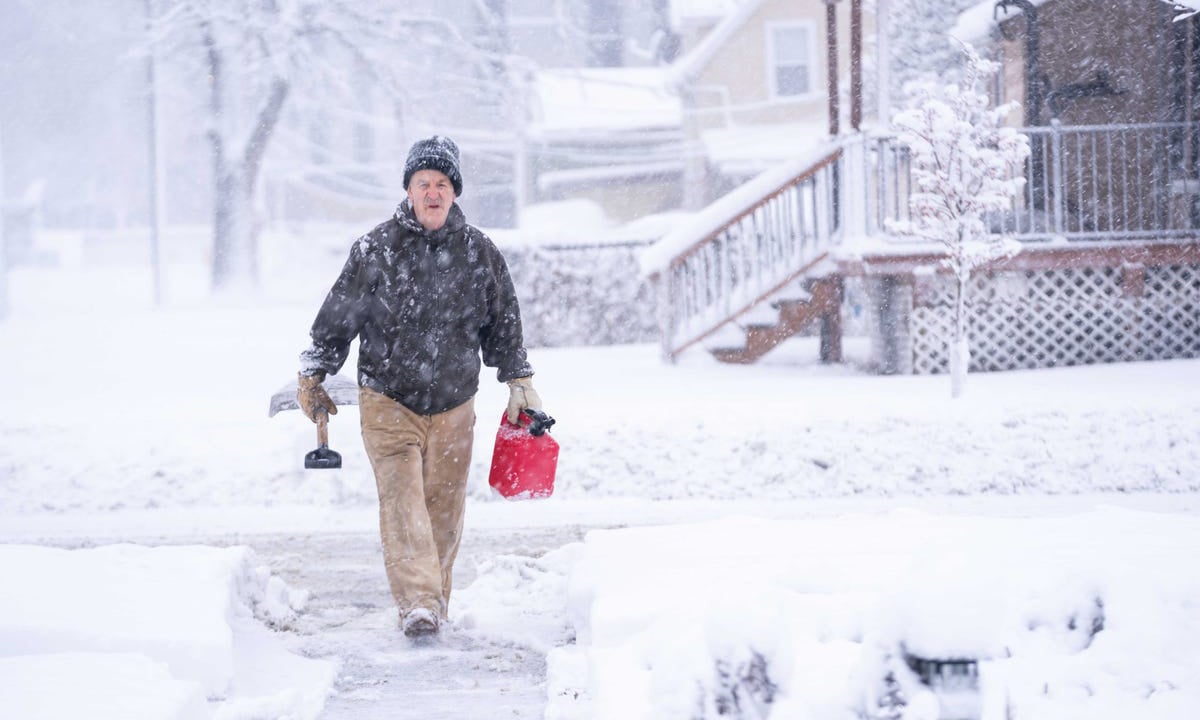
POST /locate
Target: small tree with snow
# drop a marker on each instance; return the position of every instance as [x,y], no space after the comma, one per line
[965,166]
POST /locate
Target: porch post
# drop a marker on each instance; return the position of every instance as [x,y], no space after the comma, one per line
[856,85]
[660,283]
[831,322]
[1056,174]
[853,188]
[831,62]
[883,53]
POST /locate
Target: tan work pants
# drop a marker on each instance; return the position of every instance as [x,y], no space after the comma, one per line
[421,464]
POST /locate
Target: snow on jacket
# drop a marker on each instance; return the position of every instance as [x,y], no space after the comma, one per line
[423,305]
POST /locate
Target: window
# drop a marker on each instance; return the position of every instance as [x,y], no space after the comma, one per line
[789,58]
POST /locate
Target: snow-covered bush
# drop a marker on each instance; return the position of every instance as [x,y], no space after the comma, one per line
[581,296]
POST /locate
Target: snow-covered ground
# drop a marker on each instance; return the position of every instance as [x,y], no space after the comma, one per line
[770,541]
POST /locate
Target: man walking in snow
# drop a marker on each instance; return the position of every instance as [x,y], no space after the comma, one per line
[425,293]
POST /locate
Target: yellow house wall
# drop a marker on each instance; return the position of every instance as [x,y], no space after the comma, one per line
[734,86]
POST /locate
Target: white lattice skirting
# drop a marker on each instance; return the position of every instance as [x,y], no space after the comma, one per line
[1051,318]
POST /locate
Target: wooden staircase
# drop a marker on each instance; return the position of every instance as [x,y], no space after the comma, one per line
[823,305]
[745,250]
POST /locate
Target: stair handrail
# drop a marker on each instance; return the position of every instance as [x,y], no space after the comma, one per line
[744,247]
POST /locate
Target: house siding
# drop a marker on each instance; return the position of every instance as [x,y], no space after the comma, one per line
[1078,39]
[733,86]
[1081,42]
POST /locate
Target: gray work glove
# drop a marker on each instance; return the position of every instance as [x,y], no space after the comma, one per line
[311,396]
[521,396]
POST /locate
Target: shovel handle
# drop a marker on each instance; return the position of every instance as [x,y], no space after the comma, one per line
[322,428]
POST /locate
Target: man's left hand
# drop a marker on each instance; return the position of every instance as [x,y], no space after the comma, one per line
[521,396]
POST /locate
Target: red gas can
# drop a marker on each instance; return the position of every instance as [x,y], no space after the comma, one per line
[525,457]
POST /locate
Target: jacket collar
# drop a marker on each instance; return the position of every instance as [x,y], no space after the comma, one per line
[455,221]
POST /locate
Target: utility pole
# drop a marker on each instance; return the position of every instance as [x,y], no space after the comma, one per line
[3,248]
[155,170]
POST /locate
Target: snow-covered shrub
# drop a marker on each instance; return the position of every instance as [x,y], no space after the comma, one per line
[582,296]
[742,691]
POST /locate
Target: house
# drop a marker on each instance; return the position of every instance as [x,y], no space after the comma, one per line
[755,80]
[738,87]
[1084,62]
[1079,63]
[608,135]
[535,94]
[1110,264]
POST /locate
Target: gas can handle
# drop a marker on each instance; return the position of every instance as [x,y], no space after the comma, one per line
[539,422]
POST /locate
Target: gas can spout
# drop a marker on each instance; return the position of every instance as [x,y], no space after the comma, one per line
[539,422]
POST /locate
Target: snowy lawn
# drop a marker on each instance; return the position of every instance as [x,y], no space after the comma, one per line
[798,527]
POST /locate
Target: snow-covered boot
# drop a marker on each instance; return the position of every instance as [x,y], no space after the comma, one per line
[419,622]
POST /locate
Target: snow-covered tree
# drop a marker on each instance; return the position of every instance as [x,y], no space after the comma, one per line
[965,166]
[919,44]
[253,58]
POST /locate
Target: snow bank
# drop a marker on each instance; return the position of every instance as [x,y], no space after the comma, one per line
[1091,615]
[520,599]
[98,686]
[168,625]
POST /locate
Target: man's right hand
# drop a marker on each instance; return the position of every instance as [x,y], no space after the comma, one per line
[311,396]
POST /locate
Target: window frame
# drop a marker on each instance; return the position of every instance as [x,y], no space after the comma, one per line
[772,65]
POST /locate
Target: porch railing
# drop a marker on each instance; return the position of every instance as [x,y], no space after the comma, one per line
[1083,183]
[1099,182]
[746,247]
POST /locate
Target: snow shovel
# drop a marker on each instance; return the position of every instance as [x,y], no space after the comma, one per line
[342,392]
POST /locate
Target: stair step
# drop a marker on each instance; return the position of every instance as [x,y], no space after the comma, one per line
[782,303]
[793,314]
[733,356]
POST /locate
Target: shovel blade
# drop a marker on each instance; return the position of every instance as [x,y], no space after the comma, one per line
[341,390]
[322,459]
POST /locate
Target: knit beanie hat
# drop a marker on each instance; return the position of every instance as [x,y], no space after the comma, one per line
[435,153]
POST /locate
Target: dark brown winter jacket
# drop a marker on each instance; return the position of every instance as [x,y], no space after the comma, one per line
[423,305]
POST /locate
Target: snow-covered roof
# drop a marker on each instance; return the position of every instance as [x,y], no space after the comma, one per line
[976,22]
[691,63]
[592,99]
[684,12]
[749,150]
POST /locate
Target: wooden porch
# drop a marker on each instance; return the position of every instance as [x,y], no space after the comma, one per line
[1109,270]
